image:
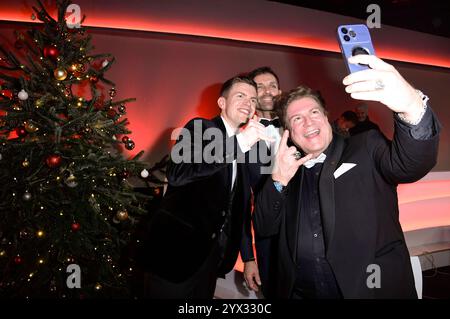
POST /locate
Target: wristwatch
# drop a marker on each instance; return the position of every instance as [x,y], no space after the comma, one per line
[280,187]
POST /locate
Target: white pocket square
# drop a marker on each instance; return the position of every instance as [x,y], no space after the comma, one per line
[345,167]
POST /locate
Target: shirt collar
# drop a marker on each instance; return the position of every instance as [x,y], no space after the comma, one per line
[230,131]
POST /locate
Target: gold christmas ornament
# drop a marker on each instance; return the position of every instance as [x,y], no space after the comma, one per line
[60,74]
[98,286]
[40,233]
[38,103]
[26,196]
[25,163]
[71,181]
[122,215]
[30,127]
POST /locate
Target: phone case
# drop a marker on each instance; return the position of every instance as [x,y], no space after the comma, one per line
[354,39]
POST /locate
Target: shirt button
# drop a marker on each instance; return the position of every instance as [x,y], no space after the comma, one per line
[213,236]
[315,212]
[223,213]
[318,259]
[315,235]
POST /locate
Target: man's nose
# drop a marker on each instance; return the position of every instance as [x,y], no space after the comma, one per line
[307,121]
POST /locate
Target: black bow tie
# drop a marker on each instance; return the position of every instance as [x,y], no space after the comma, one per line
[275,122]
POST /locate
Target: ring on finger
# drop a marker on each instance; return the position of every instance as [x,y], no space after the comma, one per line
[379,85]
[297,155]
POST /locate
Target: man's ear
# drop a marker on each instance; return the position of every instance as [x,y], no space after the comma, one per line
[221,102]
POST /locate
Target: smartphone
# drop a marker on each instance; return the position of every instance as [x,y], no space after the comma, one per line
[354,39]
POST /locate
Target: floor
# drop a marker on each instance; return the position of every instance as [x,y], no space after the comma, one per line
[436,283]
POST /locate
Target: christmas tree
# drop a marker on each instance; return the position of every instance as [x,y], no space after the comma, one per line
[66,207]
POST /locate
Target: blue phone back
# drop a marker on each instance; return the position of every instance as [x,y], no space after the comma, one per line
[356,38]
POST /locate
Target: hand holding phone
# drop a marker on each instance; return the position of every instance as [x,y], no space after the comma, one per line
[354,39]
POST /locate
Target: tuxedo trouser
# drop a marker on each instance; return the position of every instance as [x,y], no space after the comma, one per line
[201,285]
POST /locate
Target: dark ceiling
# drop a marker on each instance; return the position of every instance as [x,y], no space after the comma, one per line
[427,16]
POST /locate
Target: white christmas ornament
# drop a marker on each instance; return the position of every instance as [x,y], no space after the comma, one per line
[23,95]
[105,63]
[144,173]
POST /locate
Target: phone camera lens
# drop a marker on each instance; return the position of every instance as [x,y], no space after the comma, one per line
[344,30]
[352,33]
[346,38]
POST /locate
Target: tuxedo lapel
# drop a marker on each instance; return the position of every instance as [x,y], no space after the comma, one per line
[326,187]
[227,173]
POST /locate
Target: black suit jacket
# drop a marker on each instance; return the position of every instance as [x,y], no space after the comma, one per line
[257,181]
[186,228]
[359,213]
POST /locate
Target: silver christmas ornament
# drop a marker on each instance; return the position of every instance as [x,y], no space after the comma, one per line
[23,95]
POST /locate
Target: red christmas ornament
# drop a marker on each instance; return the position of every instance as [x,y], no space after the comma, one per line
[53,160]
[19,44]
[51,52]
[7,93]
[111,113]
[124,174]
[93,79]
[18,260]
[62,116]
[125,139]
[21,131]
[98,106]
[75,226]
[129,145]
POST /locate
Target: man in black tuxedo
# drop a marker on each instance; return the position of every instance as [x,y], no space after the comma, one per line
[336,208]
[364,123]
[195,235]
[261,272]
